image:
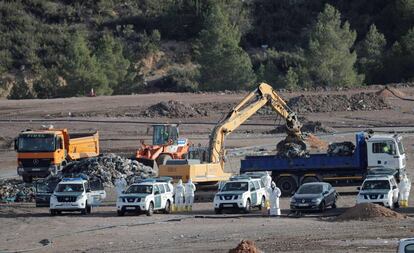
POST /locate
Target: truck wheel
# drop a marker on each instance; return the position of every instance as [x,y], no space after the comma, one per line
[120,213]
[287,185]
[167,209]
[162,159]
[27,179]
[248,206]
[150,210]
[263,203]
[310,180]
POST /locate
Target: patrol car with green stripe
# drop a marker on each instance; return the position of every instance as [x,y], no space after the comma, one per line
[146,196]
[241,192]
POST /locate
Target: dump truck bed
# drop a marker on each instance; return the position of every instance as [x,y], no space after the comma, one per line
[83,145]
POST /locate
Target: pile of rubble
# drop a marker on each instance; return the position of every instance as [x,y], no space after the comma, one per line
[109,167]
[6,142]
[345,148]
[368,211]
[331,103]
[15,190]
[245,246]
[174,109]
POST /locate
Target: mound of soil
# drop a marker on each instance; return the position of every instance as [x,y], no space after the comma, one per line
[6,142]
[174,109]
[331,103]
[390,92]
[368,211]
[245,246]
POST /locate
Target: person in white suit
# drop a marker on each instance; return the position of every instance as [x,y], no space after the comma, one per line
[274,195]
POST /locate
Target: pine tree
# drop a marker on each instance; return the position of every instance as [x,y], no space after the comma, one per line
[371,53]
[223,63]
[400,63]
[82,71]
[330,61]
[113,64]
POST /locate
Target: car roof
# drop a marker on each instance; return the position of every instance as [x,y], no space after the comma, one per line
[406,239]
[378,177]
[148,183]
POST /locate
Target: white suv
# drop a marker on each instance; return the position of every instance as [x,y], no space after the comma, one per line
[241,192]
[76,194]
[381,190]
[147,196]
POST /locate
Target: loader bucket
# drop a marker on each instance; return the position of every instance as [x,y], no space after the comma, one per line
[148,162]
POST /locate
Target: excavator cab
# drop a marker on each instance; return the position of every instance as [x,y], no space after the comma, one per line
[165,134]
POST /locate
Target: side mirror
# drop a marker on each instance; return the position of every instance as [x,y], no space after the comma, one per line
[61,144]
[325,192]
[88,190]
[358,188]
[394,187]
[16,144]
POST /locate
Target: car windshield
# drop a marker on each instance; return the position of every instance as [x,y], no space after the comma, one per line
[36,143]
[235,186]
[46,186]
[69,188]
[310,189]
[376,185]
[146,189]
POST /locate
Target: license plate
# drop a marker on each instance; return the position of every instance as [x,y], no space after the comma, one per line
[227,205]
[130,208]
[303,204]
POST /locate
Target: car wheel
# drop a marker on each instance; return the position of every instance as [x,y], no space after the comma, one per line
[167,209]
[263,203]
[88,209]
[248,206]
[120,213]
[150,210]
[52,212]
[322,206]
[218,210]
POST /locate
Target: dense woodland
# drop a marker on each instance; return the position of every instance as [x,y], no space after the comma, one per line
[65,48]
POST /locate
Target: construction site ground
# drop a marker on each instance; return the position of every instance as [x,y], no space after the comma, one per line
[123,121]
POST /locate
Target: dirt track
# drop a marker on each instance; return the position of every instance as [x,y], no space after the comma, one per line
[22,226]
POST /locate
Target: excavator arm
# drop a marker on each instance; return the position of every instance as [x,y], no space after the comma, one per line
[250,104]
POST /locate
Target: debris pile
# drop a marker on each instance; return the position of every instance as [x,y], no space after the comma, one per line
[368,211]
[245,246]
[345,148]
[174,109]
[390,92]
[331,103]
[291,149]
[15,190]
[109,167]
[6,142]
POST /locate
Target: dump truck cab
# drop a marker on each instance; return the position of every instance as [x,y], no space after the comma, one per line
[386,150]
[44,152]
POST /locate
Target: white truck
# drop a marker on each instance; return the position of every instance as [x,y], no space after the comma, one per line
[76,194]
[379,189]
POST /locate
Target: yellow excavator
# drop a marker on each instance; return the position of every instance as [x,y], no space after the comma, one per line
[213,170]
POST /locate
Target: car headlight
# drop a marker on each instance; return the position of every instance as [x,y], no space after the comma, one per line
[318,200]
[53,198]
[240,196]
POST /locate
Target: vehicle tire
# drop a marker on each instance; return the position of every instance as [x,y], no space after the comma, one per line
[150,210]
[263,203]
[85,210]
[162,159]
[218,211]
[248,207]
[27,179]
[310,180]
[334,204]
[120,212]
[52,212]
[88,209]
[167,209]
[287,185]
[322,207]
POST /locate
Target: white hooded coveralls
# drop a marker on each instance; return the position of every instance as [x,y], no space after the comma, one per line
[189,193]
[274,195]
[179,192]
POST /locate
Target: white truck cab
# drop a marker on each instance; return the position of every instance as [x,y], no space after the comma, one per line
[147,196]
[76,194]
[241,192]
[381,190]
[386,150]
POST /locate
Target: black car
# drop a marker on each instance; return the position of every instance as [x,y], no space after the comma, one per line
[313,196]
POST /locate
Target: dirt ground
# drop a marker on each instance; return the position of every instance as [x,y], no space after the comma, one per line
[122,123]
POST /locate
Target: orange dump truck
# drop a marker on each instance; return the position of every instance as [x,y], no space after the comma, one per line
[44,152]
